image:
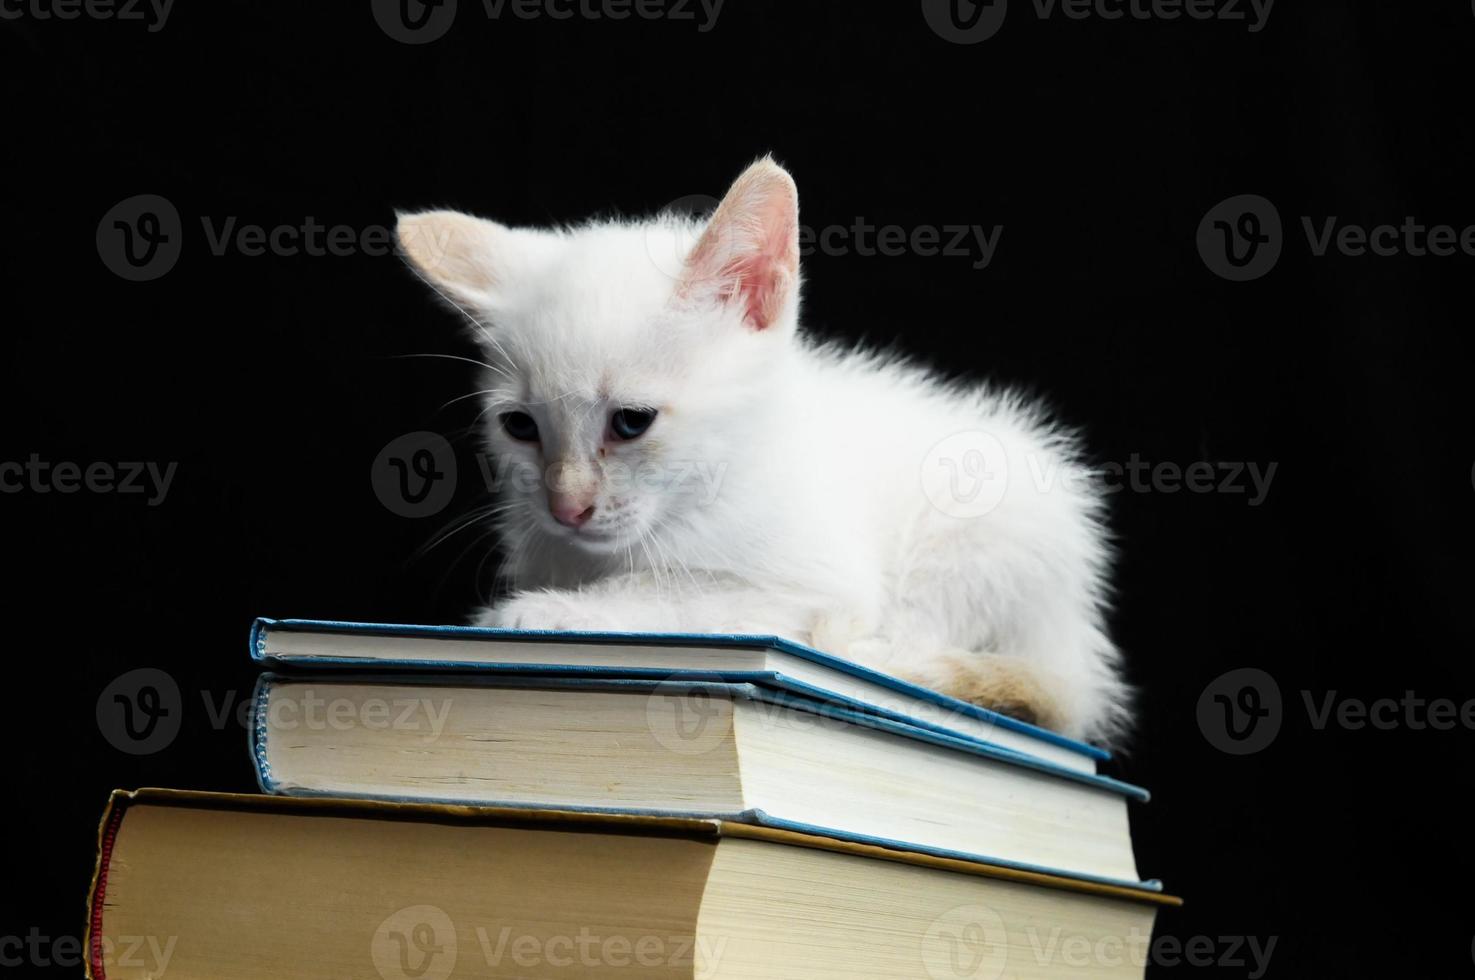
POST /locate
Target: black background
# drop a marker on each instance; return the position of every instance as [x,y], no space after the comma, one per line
[274,381]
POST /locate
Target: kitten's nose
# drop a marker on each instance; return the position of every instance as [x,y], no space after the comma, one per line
[569,510]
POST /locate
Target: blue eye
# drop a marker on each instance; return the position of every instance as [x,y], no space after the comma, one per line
[631,423]
[520,426]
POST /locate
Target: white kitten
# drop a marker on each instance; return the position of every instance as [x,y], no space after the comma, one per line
[699,465]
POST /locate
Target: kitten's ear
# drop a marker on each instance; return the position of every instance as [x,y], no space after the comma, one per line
[462,257]
[749,252]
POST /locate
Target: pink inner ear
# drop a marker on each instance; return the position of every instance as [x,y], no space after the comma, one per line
[763,283]
[750,249]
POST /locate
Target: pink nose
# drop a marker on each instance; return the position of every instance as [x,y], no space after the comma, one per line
[571,511]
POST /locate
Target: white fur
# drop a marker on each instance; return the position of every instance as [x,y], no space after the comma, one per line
[814,522]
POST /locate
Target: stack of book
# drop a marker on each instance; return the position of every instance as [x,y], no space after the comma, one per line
[455,802]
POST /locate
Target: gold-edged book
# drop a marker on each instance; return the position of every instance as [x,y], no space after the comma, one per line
[228,887]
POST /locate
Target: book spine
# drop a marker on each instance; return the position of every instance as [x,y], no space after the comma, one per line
[260,715]
[107,835]
[259,628]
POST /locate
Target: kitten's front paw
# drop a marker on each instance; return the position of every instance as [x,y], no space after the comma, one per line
[538,611]
[559,610]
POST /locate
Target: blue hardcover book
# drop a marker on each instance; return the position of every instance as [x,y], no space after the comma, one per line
[734,751]
[767,661]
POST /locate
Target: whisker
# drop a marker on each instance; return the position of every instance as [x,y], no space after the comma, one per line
[456,357]
[474,321]
[650,561]
[461,522]
[462,398]
[460,557]
[672,557]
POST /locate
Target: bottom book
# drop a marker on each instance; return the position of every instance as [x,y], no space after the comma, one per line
[224,886]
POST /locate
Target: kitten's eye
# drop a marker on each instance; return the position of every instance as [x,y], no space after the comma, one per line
[520,426]
[630,423]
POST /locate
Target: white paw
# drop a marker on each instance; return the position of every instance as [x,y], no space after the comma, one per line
[555,610]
